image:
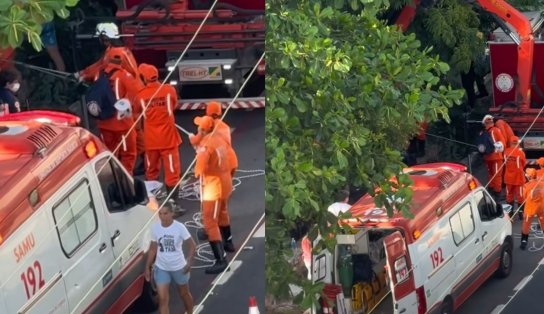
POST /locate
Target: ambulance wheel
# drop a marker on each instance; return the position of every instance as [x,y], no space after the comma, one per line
[447,306]
[148,301]
[505,266]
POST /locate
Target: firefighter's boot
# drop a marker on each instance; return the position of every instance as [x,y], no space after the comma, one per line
[173,193]
[524,240]
[220,261]
[227,239]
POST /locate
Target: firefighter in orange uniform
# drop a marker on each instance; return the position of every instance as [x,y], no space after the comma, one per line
[506,131]
[533,194]
[212,166]
[514,176]
[540,163]
[213,110]
[161,138]
[108,34]
[494,160]
[117,132]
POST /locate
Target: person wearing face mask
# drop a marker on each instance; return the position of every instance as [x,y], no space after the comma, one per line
[9,86]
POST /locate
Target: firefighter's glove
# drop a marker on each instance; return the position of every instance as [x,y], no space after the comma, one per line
[499,148]
[77,77]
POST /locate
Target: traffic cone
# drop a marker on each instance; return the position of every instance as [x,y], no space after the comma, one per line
[253,309]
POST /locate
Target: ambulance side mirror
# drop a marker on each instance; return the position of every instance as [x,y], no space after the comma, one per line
[499,210]
[140,192]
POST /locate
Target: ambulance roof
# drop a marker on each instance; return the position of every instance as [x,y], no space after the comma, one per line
[30,153]
[437,187]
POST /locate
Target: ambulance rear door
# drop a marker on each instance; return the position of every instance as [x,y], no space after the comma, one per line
[401,275]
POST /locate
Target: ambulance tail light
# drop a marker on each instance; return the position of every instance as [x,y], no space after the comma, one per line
[90,149]
[421,301]
[472,184]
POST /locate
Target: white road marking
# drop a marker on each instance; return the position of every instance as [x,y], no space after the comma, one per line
[260,232]
[498,309]
[523,282]
[199,309]
[541,261]
[228,274]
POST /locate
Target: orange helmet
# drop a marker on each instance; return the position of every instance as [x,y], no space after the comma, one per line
[205,123]
[514,140]
[212,108]
[149,72]
[540,161]
[531,173]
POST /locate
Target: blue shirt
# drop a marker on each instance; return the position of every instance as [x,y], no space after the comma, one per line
[7,97]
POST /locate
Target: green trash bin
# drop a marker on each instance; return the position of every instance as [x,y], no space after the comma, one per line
[345,269]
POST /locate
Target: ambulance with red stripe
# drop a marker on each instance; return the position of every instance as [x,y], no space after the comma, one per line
[457,239]
[70,223]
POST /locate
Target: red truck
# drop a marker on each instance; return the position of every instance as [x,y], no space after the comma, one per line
[221,57]
[517,69]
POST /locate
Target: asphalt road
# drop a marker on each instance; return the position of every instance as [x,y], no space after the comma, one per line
[518,292]
[231,293]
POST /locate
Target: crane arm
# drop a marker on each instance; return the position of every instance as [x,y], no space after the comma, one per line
[526,45]
[508,14]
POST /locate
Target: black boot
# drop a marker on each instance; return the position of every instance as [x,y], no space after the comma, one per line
[174,196]
[524,240]
[139,170]
[227,239]
[220,261]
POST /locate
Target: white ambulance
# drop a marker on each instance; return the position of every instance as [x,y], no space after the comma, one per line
[432,263]
[70,224]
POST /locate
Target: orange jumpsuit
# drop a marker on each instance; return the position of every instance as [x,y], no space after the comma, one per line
[213,165]
[494,161]
[115,132]
[223,131]
[506,131]
[514,176]
[161,138]
[128,62]
[533,195]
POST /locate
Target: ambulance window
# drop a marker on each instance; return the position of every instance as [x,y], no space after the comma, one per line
[486,207]
[116,186]
[75,218]
[462,224]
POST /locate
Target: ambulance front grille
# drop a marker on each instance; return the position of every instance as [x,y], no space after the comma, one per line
[43,136]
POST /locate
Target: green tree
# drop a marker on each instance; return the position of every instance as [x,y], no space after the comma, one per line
[24,18]
[344,95]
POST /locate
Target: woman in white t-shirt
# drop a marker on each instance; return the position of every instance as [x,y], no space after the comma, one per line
[167,237]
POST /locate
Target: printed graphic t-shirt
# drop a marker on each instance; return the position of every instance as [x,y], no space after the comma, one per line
[169,240]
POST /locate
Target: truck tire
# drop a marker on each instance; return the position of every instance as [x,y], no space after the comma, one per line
[148,300]
[447,306]
[506,259]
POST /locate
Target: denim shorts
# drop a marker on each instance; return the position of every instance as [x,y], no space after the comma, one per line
[163,277]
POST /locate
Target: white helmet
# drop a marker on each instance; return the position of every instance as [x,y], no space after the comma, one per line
[109,30]
[124,109]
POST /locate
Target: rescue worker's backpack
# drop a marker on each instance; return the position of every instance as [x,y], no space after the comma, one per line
[101,99]
[485,143]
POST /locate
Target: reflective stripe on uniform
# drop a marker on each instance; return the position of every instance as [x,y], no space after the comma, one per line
[171,162]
